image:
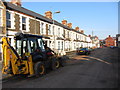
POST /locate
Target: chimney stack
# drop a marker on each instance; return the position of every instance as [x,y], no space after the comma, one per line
[69,25]
[48,14]
[77,28]
[82,31]
[16,2]
[64,22]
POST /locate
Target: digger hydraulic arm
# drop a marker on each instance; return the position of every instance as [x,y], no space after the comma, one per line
[12,62]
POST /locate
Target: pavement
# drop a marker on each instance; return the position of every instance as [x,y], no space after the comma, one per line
[97,70]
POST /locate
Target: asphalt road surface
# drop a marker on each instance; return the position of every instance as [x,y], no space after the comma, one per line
[97,70]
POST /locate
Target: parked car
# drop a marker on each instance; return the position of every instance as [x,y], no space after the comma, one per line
[83,51]
[111,46]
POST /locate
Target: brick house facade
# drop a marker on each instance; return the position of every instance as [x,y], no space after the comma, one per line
[110,41]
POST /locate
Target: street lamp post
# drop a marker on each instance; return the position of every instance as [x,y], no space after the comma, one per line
[54,28]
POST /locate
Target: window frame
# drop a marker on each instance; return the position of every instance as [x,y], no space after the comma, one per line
[67,34]
[24,23]
[40,44]
[1,17]
[49,29]
[64,33]
[42,28]
[53,32]
[58,32]
[8,19]
[62,45]
[58,45]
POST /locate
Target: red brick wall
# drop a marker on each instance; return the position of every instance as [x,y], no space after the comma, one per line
[109,41]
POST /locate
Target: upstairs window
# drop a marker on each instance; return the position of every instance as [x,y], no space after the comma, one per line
[8,19]
[53,30]
[23,23]
[49,30]
[0,17]
[42,25]
[68,34]
[42,28]
[80,37]
[58,32]
[64,33]
[76,36]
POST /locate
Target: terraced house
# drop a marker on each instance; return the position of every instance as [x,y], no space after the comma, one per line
[62,37]
[2,21]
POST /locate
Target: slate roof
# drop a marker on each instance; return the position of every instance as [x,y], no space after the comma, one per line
[11,6]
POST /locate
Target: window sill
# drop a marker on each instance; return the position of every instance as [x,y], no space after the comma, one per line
[10,28]
[23,30]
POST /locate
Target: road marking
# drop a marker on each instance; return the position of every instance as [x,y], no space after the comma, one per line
[84,57]
[81,58]
[100,60]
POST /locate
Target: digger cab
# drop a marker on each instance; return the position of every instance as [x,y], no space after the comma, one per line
[33,44]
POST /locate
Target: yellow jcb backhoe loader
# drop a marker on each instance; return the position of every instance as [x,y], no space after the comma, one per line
[29,56]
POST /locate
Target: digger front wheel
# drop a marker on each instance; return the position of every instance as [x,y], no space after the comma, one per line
[55,64]
[39,69]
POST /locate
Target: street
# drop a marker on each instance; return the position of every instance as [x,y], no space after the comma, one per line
[97,70]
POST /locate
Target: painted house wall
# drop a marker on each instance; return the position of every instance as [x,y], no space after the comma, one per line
[68,40]
[3,22]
